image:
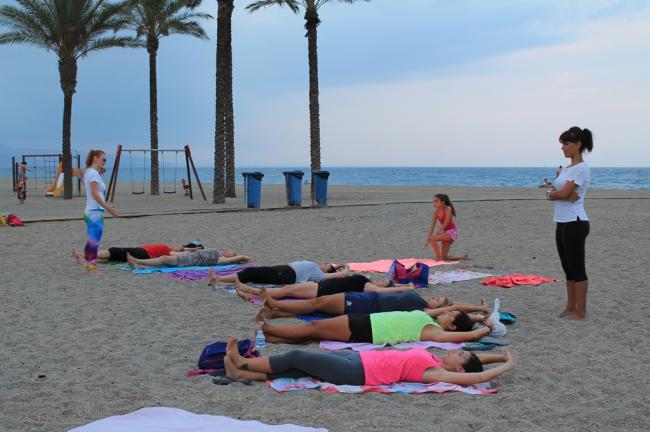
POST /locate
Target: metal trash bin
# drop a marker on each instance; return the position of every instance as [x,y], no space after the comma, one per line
[253,189]
[293,181]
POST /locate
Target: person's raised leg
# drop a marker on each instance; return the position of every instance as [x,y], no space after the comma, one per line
[259,364]
[233,372]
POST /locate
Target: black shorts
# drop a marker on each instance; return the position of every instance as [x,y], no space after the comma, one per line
[354,283]
[276,275]
[360,328]
[119,254]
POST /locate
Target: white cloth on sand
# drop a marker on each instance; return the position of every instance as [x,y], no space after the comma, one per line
[159,419]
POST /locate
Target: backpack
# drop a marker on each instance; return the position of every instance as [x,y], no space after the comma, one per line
[14,221]
[212,355]
[418,274]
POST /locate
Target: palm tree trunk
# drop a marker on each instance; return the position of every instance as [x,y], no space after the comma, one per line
[218,191]
[229,117]
[314,110]
[152,49]
[68,80]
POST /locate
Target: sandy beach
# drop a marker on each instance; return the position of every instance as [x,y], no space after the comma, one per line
[77,348]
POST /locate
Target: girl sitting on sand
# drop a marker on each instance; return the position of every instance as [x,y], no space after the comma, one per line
[296,272]
[369,368]
[361,302]
[202,257]
[310,290]
[383,328]
[447,232]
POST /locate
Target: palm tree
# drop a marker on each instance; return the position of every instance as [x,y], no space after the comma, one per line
[152,20]
[312,21]
[229,116]
[224,17]
[71,29]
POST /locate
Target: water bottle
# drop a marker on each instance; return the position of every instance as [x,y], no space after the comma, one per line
[260,342]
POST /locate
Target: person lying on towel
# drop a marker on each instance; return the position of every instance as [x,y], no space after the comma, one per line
[200,257]
[143,251]
[383,328]
[369,368]
[296,272]
[362,303]
[309,290]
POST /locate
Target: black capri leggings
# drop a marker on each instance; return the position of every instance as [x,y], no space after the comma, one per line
[337,367]
[570,238]
[276,275]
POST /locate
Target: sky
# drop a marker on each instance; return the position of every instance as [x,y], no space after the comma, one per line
[402,83]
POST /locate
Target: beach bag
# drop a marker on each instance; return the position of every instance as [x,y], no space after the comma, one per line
[212,356]
[14,221]
[418,274]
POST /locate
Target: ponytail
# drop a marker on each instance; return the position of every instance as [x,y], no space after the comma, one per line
[575,134]
[447,202]
[91,157]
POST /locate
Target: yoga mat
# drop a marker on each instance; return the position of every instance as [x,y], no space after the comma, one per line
[383,265]
[151,270]
[335,346]
[294,384]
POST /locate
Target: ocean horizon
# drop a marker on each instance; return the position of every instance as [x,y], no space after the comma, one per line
[601,177]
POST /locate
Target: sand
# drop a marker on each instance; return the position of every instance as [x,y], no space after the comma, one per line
[76,348]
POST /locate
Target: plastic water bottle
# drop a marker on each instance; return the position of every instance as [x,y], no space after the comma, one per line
[260,340]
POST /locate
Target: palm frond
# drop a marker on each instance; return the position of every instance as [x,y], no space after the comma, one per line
[18,37]
[112,42]
[294,5]
[191,28]
[320,3]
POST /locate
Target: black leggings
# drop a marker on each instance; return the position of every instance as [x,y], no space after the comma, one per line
[276,275]
[337,367]
[570,238]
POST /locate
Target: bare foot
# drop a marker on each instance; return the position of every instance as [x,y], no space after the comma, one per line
[245,288]
[266,297]
[131,261]
[231,369]
[243,295]
[259,316]
[576,317]
[212,277]
[566,313]
[269,313]
[232,352]
[77,256]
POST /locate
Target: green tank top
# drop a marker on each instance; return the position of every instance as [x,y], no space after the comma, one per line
[395,327]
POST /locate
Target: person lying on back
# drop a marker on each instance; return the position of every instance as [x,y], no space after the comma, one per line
[143,251]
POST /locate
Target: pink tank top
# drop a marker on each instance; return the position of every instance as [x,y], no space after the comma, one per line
[441,215]
[392,366]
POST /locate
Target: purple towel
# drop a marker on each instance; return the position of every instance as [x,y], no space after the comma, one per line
[194,275]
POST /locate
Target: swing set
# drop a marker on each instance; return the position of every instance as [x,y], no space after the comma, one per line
[168,173]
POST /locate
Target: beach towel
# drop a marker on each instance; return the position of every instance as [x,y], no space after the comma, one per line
[228,268]
[383,265]
[159,419]
[335,346]
[508,281]
[293,384]
[448,277]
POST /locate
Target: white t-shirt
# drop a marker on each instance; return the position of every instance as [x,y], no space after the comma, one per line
[567,211]
[92,176]
[307,271]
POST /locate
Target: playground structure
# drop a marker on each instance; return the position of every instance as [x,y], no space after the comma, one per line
[45,172]
[168,187]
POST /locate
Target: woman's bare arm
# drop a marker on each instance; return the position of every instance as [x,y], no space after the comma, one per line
[563,194]
[461,378]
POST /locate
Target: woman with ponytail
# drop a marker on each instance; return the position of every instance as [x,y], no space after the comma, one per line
[572,228]
[447,232]
[95,206]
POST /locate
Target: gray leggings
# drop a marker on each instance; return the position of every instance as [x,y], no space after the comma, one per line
[338,367]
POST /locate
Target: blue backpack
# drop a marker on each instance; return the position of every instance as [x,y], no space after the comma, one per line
[212,356]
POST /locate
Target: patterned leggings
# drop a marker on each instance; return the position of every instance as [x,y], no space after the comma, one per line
[94,229]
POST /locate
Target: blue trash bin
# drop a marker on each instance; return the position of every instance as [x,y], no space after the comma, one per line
[253,188]
[319,180]
[293,181]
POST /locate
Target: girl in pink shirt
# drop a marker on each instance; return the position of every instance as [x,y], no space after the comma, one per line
[369,367]
[447,233]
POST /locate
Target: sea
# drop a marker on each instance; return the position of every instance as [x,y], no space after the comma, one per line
[601,178]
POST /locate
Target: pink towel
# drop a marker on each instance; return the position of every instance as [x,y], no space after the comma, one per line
[508,281]
[335,346]
[383,265]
